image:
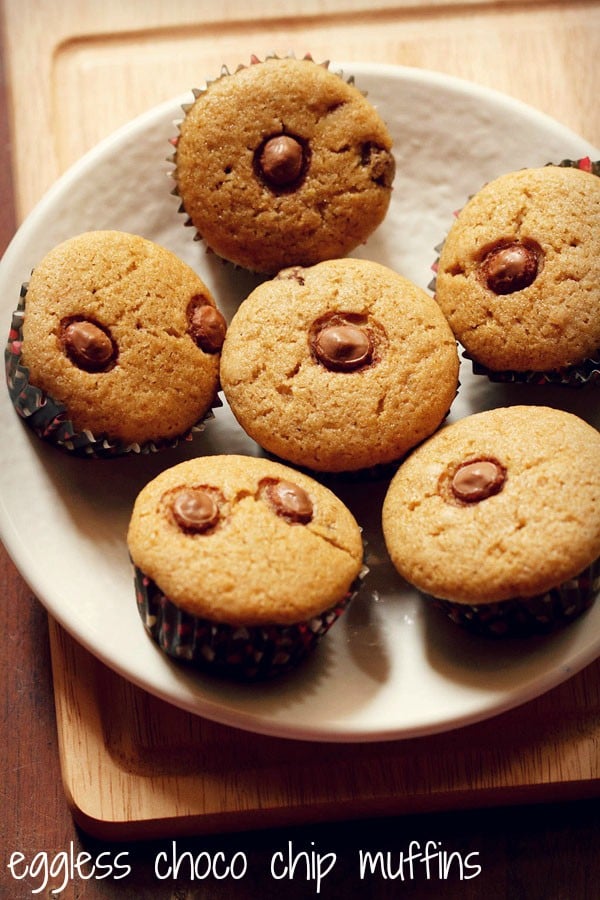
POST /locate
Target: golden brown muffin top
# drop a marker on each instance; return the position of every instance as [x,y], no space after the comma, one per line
[245,541]
[501,504]
[123,333]
[283,162]
[340,366]
[519,272]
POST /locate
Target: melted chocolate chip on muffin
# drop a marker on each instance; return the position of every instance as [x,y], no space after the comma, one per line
[88,345]
[341,343]
[195,509]
[477,479]
[207,326]
[289,500]
[510,267]
[282,161]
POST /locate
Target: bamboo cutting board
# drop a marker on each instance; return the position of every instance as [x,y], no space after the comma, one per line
[136,766]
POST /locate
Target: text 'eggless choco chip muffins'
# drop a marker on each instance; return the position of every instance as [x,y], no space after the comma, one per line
[241,564]
[282,162]
[115,347]
[497,517]
[339,367]
[518,276]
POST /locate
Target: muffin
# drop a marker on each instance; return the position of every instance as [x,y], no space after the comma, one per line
[241,564]
[339,367]
[518,276]
[115,346]
[497,517]
[281,163]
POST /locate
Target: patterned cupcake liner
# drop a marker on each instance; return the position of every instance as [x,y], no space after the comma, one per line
[49,418]
[585,372]
[240,653]
[528,616]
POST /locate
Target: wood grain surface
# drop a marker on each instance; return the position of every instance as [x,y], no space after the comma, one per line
[137,767]
[78,70]
[72,73]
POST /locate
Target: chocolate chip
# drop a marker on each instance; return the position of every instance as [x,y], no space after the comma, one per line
[289,501]
[510,268]
[206,325]
[381,163]
[340,345]
[281,161]
[88,345]
[477,480]
[195,510]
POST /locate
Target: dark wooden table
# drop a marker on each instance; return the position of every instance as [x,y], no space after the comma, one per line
[548,851]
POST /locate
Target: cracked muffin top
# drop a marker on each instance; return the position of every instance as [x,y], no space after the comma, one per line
[124,334]
[244,541]
[501,504]
[283,162]
[341,366]
[519,273]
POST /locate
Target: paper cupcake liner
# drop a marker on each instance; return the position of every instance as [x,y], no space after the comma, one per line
[49,418]
[585,372]
[528,616]
[242,653]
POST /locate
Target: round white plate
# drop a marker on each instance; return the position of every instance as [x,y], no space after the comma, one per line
[391,667]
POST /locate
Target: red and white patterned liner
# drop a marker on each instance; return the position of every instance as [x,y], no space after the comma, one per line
[528,616]
[243,653]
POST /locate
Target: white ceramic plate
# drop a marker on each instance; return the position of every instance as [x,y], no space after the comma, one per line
[390,668]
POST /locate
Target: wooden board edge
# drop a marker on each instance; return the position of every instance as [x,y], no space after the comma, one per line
[73,671]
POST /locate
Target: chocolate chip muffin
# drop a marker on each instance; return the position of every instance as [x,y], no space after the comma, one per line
[115,347]
[519,273]
[242,564]
[282,162]
[339,367]
[497,517]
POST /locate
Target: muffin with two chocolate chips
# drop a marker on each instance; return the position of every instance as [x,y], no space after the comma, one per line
[497,518]
[115,347]
[339,367]
[519,276]
[282,162]
[241,564]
